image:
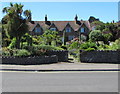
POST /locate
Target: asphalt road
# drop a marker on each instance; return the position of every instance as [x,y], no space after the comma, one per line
[60,82]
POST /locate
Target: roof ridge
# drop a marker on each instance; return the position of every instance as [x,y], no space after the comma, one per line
[61,21]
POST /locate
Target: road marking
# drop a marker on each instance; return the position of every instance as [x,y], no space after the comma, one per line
[59,71]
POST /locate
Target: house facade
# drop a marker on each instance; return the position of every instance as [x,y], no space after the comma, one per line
[71,29]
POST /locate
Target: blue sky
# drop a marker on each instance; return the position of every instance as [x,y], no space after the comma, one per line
[56,11]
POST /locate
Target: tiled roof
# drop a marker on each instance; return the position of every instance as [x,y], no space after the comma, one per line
[59,24]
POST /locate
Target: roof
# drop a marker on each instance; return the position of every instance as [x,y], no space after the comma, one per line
[59,24]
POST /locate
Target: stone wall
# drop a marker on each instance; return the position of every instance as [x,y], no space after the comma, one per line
[100,56]
[62,55]
[30,60]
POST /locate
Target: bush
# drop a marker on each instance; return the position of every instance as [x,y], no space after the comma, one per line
[48,47]
[24,45]
[39,50]
[21,52]
[13,43]
[74,45]
[96,35]
[90,49]
[87,45]
[7,51]
[14,52]
[104,47]
[64,47]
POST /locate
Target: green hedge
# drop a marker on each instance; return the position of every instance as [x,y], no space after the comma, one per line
[15,52]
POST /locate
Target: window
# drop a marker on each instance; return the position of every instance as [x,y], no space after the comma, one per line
[82,30]
[53,29]
[70,37]
[93,28]
[68,29]
[37,29]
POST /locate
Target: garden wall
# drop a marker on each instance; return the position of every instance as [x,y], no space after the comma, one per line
[30,60]
[62,55]
[100,56]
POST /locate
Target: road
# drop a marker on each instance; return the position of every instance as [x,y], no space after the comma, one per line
[60,81]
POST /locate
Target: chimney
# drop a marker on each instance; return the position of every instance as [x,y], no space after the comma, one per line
[76,18]
[45,18]
[113,21]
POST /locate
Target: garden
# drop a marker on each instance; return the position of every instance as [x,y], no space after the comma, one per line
[17,42]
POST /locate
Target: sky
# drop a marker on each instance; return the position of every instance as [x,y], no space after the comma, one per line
[63,11]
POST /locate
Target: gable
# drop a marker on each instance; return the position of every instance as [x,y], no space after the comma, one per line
[60,25]
[68,26]
[53,26]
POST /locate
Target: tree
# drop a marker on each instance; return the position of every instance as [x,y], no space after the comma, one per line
[96,35]
[98,25]
[16,24]
[92,19]
[107,38]
[50,36]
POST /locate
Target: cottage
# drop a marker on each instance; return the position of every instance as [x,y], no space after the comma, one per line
[72,29]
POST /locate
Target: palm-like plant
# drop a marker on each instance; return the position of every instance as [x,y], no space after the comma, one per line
[27,14]
[17,26]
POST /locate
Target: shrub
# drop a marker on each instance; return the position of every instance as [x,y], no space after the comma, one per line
[90,49]
[7,51]
[114,46]
[21,52]
[87,45]
[96,35]
[24,45]
[74,45]
[64,47]
[41,49]
[48,47]
[13,43]
[104,47]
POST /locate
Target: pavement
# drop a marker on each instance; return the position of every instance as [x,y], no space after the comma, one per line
[62,66]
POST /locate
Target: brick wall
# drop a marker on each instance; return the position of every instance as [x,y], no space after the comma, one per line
[100,56]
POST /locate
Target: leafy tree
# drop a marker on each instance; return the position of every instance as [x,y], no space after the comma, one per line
[92,19]
[99,25]
[16,24]
[50,36]
[107,37]
[113,29]
[96,35]
[5,39]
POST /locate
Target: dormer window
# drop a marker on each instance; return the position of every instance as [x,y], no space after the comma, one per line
[53,29]
[82,30]
[37,29]
[68,29]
